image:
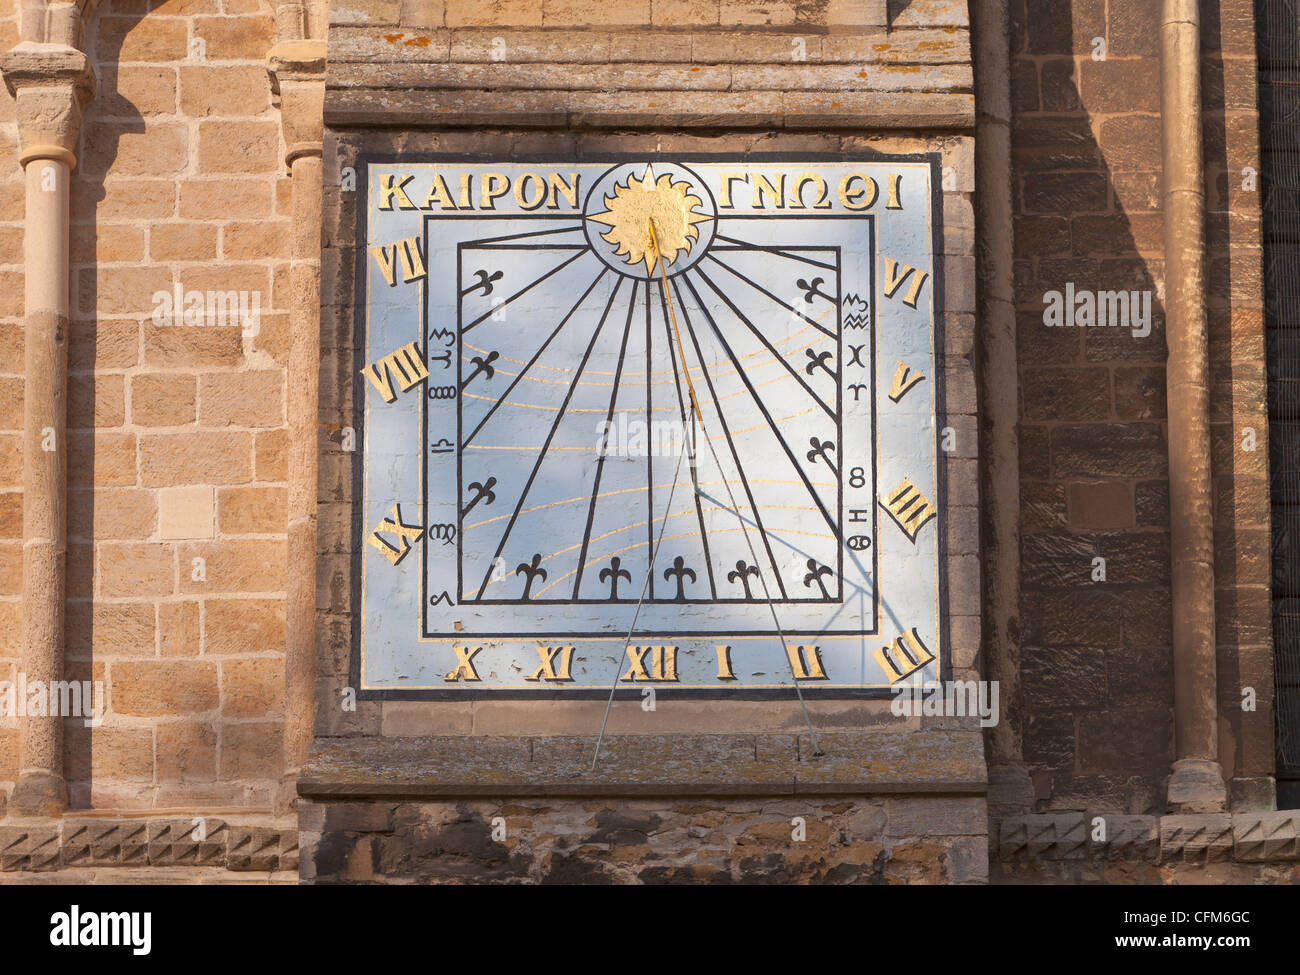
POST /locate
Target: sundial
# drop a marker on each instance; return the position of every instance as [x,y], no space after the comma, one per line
[648,421]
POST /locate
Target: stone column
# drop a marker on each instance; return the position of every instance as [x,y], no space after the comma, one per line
[50,83]
[298,74]
[1010,788]
[1196,783]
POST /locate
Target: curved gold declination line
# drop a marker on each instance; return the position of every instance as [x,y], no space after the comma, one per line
[739,392]
[634,372]
[654,487]
[717,436]
[771,360]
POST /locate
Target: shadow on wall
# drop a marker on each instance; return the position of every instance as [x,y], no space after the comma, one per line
[112,471]
[108,459]
[1279,62]
[1097,668]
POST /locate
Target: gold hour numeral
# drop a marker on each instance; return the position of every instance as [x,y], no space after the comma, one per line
[464,669]
[896,275]
[909,508]
[393,526]
[904,657]
[408,251]
[806,665]
[555,664]
[406,365]
[904,379]
[724,661]
[651,664]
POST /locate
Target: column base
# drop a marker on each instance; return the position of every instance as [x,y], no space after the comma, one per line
[1196,786]
[39,794]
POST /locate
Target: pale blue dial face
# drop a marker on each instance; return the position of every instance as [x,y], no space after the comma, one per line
[689,401]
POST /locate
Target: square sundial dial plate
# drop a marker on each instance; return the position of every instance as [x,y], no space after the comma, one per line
[692,399]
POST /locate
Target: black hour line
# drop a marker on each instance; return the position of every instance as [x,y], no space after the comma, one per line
[726,430]
[763,338]
[744,245]
[523,291]
[681,408]
[541,454]
[763,291]
[600,461]
[519,378]
[835,531]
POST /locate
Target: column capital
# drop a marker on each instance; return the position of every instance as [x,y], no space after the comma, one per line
[50,84]
[297,70]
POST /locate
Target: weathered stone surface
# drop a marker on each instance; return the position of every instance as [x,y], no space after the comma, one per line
[104,842]
[88,843]
[1059,836]
[199,841]
[254,848]
[1127,838]
[29,846]
[829,840]
[1197,838]
[1266,836]
[936,762]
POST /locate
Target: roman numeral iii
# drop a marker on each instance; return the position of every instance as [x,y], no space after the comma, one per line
[909,508]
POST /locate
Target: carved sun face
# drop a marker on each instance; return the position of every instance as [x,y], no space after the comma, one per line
[636,203]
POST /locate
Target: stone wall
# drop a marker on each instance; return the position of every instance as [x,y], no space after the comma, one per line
[179,442]
[842,840]
[1097,668]
[873,808]
[177,432]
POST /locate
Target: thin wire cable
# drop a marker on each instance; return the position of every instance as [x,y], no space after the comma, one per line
[645,587]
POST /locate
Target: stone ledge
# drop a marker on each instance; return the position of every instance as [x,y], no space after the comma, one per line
[356,44]
[911,79]
[860,763]
[797,110]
